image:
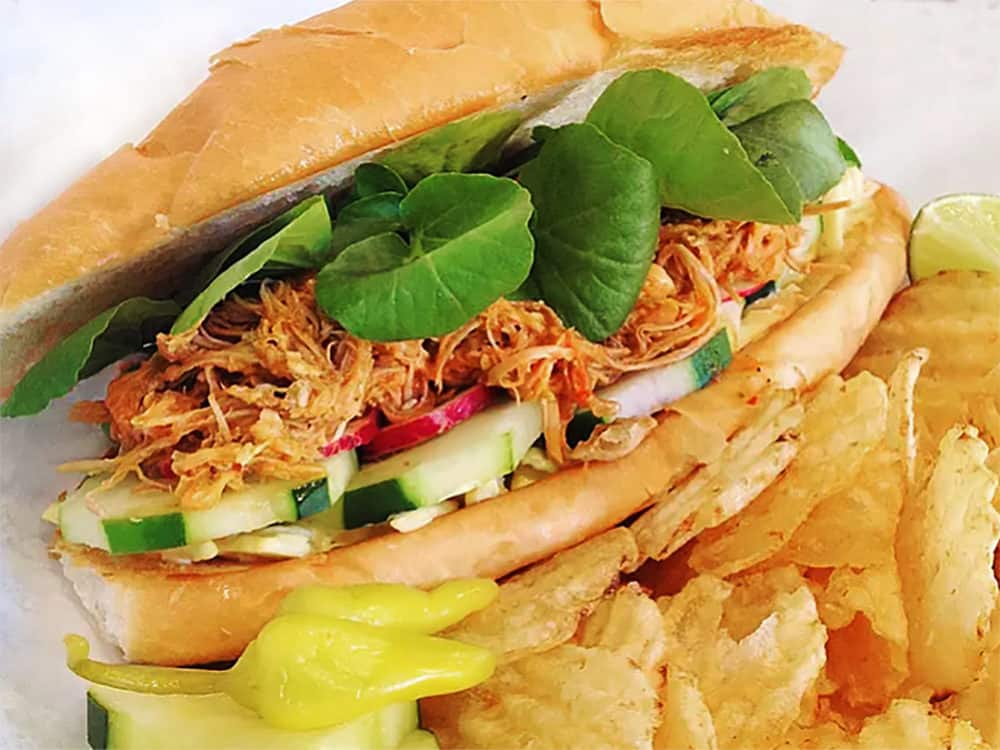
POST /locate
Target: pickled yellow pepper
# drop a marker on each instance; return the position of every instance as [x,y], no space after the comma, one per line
[331,656]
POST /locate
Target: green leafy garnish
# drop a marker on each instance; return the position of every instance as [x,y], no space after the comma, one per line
[366,217]
[372,179]
[467,145]
[850,155]
[700,166]
[115,333]
[796,136]
[468,244]
[597,217]
[759,93]
[301,243]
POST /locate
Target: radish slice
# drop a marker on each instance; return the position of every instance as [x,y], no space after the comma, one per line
[747,291]
[420,429]
[359,432]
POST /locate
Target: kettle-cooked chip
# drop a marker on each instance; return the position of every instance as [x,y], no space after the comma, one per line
[687,722]
[568,697]
[915,726]
[843,422]
[541,607]
[947,539]
[753,687]
[629,623]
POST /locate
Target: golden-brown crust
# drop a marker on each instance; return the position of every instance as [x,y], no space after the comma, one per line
[281,109]
[176,614]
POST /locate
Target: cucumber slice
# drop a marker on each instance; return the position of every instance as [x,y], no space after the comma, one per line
[121,720]
[644,393]
[487,446]
[133,519]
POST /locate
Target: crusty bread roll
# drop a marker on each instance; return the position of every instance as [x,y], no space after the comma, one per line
[290,112]
[175,614]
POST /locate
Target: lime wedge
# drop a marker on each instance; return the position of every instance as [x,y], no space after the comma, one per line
[956,232]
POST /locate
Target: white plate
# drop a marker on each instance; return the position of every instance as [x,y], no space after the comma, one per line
[917,97]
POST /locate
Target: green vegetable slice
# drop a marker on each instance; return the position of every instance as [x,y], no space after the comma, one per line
[469,244]
[467,145]
[700,166]
[796,135]
[597,217]
[115,333]
[759,93]
[366,217]
[300,243]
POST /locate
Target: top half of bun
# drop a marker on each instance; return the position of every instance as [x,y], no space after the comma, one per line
[289,112]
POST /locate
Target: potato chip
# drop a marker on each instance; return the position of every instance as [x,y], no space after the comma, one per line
[542,606]
[568,697]
[629,622]
[947,538]
[979,703]
[826,736]
[753,687]
[842,423]
[751,461]
[915,726]
[686,722]
[754,596]
[954,317]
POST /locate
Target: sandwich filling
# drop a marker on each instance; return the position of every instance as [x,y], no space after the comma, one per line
[462,324]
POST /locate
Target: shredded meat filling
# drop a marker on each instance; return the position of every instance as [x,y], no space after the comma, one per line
[267,381]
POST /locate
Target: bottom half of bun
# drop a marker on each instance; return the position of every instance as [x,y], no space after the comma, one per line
[189,614]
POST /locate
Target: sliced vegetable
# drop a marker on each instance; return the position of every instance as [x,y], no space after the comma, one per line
[359,432]
[115,333]
[134,519]
[436,422]
[466,145]
[759,93]
[643,393]
[485,447]
[301,243]
[595,241]
[123,720]
[469,244]
[700,166]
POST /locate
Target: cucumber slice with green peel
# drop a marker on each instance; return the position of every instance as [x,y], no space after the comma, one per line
[643,393]
[134,519]
[121,720]
[484,447]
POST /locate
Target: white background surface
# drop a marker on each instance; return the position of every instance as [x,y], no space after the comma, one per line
[918,97]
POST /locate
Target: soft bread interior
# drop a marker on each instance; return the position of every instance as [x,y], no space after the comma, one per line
[142,220]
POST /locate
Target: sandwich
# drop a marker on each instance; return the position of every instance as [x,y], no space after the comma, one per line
[425,290]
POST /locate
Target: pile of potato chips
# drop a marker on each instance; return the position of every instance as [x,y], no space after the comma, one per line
[829,582]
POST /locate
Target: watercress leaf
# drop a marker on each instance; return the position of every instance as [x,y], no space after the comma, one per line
[372,179]
[759,93]
[798,136]
[540,133]
[851,157]
[469,245]
[302,243]
[115,333]
[597,217]
[700,166]
[528,291]
[467,145]
[781,179]
[366,217]
[244,245]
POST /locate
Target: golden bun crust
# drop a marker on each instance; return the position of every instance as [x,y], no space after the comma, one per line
[174,614]
[285,114]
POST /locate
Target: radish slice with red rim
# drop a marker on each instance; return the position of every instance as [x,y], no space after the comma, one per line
[359,432]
